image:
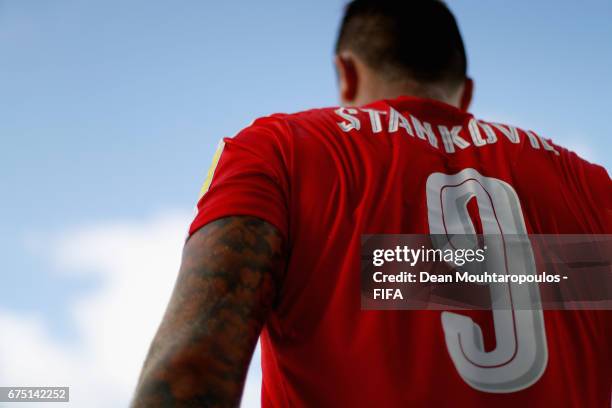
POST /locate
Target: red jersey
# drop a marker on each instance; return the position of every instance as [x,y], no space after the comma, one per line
[324,177]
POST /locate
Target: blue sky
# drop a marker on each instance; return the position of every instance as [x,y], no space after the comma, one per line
[110,111]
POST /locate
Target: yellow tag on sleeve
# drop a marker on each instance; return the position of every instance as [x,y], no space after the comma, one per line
[212,168]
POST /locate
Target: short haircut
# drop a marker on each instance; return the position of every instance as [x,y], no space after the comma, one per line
[418,39]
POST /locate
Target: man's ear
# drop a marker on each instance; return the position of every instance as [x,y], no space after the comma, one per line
[347,78]
[466,96]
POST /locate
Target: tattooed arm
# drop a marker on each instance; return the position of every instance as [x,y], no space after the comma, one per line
[229,279]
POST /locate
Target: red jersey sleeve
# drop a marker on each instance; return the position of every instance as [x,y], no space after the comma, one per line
[248,176]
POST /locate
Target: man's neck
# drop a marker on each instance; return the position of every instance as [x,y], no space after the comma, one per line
[391,90]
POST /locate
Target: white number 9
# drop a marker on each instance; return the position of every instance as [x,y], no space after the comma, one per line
[520,355]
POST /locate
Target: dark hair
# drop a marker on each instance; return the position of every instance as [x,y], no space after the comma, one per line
[399,38]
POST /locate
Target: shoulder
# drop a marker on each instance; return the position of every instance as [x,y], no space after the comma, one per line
[281,129]
[575,170]
[284,122]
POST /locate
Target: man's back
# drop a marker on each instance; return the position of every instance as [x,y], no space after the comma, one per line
[325,177]
[274,249]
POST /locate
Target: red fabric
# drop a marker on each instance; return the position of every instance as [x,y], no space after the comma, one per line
[323,187]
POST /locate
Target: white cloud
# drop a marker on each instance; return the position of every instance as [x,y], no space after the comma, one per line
[136,264]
